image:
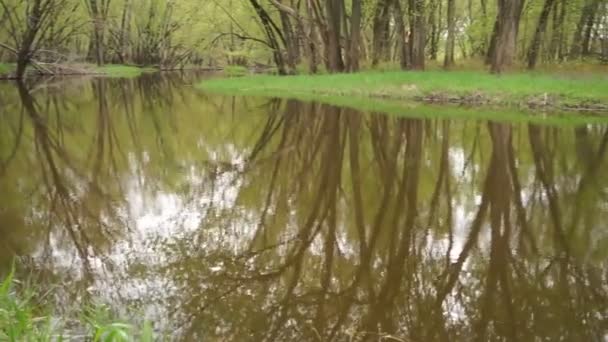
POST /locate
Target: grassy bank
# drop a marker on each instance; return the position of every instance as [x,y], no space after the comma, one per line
[122,71]
[530,90]
[82,69]
[25,316]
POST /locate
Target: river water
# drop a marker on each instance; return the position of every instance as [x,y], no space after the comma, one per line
[251,219]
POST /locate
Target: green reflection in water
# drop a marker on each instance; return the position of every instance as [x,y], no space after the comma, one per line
[257,219]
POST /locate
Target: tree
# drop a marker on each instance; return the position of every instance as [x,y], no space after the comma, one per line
[381,31]
[450,42]
[417,34]
[98,11]
[334,12]
[355,37]
[505,33]
[540,30]
[29,24]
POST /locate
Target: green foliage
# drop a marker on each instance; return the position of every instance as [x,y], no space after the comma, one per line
[21,319]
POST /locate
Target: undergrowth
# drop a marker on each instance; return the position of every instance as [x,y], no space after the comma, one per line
[26,316]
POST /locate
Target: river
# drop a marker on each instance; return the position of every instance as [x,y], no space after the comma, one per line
[250,219]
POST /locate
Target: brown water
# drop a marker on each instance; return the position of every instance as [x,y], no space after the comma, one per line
[246,219]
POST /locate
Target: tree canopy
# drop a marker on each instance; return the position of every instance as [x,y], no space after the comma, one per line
[297,35]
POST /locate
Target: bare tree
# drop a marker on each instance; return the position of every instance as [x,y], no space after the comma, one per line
[32,22]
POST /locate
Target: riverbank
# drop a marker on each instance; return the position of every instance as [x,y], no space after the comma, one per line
[110,70]
[545,91]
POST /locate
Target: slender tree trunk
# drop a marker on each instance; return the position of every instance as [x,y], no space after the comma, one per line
[311,42]
[434,28]
[291,44]
[273,34]
[557,30]
[124,31]
[24,52]
[401,35]
[381,31]
[509,13]
[538,33]
[98,28]
[577,41]
[450,42]
[586,51]
[492,45]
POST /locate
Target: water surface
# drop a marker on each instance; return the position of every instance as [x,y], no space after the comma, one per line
[250,219]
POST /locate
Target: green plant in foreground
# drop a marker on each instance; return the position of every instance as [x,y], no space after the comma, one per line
[106,330]
[21,320]
[18,319]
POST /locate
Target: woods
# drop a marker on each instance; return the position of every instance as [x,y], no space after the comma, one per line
[296,36]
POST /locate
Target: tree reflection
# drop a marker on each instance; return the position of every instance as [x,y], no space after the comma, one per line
[357,237]
[313,222]
[69,196]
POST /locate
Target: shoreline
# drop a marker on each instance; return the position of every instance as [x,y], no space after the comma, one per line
[471,89]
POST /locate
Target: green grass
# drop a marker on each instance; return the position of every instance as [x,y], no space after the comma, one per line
[122,71]
[394,91]
[24,318]
[408,85]
[109,70]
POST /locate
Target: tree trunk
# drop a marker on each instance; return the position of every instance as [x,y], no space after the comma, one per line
[381,31]
[311,42]
[98,28]
[24,53]
[588,28]
[291,44]
[334,18]
[538,33]
[450,42]
[124,31]
[355,36]
[509,13]
[492,45]
[557,30]
[418,34]
[401,36]
[435,32]
[577,40]
[273,34]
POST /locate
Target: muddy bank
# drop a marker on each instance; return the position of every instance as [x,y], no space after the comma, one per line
[543,102]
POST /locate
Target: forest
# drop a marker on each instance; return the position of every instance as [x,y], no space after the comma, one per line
[299,36]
